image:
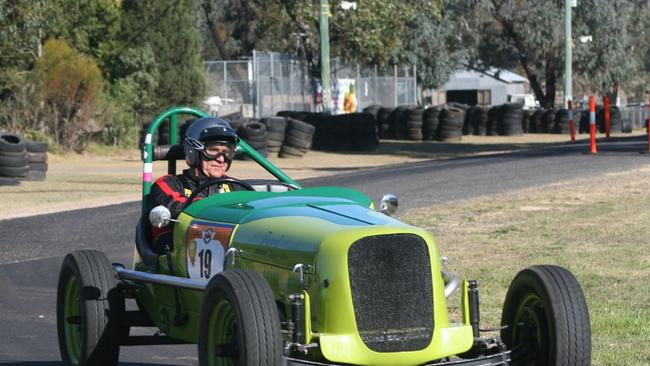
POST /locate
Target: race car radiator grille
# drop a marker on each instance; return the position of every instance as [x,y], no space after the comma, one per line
[390,277]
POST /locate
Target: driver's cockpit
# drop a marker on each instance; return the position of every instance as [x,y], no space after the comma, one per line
[147,249]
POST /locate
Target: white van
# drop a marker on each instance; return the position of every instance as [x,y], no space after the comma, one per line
[527,100]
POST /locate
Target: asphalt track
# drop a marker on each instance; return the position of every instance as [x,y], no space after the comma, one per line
[31,249]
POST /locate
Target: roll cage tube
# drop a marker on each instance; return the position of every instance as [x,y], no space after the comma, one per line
[172,114]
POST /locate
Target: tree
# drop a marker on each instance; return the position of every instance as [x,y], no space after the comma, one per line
[168,29]
[434,43]
[374,33]
[88,26]
[532,33]
[22,23]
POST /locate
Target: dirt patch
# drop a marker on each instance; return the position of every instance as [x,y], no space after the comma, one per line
[110,177]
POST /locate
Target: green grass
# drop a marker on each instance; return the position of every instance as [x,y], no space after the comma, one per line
[600,234]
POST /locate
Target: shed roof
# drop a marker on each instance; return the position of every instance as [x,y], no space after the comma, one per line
[474,79]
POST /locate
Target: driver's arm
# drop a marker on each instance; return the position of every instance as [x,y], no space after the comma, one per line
[169,192]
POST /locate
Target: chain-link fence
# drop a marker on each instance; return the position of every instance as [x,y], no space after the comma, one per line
[637,114]
[271,82]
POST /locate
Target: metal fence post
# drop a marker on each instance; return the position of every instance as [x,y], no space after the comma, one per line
[395,83]
[415,84]
[272,88]
[225,82]
[256,73]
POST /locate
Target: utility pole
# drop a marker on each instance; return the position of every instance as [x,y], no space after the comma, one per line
[568,82]
[325,53]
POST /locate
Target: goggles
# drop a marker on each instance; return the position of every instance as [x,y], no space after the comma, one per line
[227,154]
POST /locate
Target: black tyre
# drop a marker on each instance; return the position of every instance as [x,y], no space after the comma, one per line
[35,175]
[6,181]
[290,152]
[240,324]
[547,318]
[10,142]
[88,308]
[253,129]
[36,146]
[36,157]
[300,126]
[11,161]
[42,167]
[13,172]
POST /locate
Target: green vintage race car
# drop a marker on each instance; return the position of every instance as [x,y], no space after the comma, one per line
[278,274]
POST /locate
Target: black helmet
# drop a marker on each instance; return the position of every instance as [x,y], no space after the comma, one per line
[203,131]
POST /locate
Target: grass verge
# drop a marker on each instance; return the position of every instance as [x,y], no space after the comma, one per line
[596,228]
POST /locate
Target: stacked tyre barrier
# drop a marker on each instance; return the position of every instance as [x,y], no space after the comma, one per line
[254,133]
[383,128]
[512,116]
[479,118]
[364,131]
[430,122]
[561,121]
[525,121]
[491,126]
[413,123]
[276,128]
[548,121]
[614,119]
[469,122]
[450,127]
[395,122]
[13,159]
[36,160]
[535,125]
[298,139]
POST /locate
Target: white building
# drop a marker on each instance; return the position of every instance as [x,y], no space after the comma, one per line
[472,87]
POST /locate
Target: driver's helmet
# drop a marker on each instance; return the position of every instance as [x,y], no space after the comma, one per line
[206,131]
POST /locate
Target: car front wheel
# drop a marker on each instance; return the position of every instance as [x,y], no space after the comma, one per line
[88,309]
[546,318]
[239,323]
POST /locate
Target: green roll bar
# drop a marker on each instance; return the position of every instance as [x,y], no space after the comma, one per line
[172,115]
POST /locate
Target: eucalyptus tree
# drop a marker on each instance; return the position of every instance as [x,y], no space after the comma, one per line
[530,35]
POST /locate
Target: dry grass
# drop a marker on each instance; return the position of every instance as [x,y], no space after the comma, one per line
[596,228]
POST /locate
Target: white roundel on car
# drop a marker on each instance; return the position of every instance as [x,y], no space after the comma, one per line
[205,248]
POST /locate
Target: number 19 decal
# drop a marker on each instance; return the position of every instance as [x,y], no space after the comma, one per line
[206,245]
[205,257]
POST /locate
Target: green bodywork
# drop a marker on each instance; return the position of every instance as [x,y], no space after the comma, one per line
[315,227]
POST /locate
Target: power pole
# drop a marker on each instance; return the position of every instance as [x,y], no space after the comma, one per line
[325,53]
[568,82]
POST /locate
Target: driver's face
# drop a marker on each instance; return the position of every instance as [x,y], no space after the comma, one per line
[215,168]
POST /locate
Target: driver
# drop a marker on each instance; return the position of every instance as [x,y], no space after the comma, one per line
[209,146]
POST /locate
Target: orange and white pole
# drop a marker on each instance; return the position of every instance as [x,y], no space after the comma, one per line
[592,124]
[607,120]
[572,127]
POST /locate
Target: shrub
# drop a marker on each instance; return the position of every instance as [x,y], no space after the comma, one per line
[70,89]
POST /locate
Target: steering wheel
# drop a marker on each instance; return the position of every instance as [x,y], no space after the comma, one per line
[213,182]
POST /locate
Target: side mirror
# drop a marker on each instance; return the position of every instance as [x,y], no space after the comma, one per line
[388,204]
[160,216]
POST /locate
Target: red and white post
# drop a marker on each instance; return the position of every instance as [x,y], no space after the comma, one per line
[592,125]
[607,118]
[572,127]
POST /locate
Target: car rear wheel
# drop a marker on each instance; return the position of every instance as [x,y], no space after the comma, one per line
[546,318]
[239,323]
[89,306]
